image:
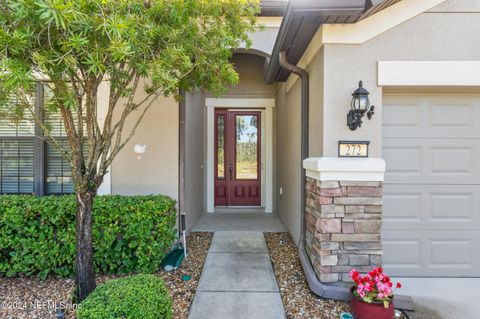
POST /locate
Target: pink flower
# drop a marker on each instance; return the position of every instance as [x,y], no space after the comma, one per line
[353,272]
[380,295]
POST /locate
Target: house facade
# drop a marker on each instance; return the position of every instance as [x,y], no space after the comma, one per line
[409,198]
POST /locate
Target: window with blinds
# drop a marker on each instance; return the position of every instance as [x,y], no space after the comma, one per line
[16,155]
[28,164]
[58,173]
[16,166]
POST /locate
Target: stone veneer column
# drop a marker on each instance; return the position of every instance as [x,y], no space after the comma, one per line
[344,198]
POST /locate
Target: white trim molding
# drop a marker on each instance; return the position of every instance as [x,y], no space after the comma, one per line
[270,22]
[429,73]
[363,30]
[345,169]
[240,103]
[267,147]
[102,109]
[376,24]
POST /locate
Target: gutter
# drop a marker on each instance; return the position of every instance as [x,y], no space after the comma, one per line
[288,45]
[301,20]
[317,287]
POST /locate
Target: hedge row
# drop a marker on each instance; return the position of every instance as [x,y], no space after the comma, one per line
[130,234]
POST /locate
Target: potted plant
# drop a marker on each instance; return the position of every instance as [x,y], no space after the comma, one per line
[372,295]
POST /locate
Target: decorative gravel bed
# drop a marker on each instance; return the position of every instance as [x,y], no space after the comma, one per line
[181,291]
[31,298]
[297,299]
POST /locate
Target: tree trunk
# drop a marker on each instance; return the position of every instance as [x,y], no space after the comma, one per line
[84,272]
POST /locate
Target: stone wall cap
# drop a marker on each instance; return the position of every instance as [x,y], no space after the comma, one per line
[345,168]
[344,164]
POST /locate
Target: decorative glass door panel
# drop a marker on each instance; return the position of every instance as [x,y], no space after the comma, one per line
[237,158]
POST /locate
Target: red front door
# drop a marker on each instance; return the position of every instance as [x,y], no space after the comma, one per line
[237,158]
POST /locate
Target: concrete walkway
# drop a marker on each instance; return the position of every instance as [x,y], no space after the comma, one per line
[239,221]
[237,281]
[442,298]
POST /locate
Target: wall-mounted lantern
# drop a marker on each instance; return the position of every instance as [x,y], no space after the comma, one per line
[140,149]
[360,106]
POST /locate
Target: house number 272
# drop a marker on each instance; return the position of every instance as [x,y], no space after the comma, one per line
[353,149]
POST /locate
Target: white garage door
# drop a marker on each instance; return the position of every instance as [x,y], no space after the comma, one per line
[431,144]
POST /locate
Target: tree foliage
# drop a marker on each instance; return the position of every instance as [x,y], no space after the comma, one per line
[159,46]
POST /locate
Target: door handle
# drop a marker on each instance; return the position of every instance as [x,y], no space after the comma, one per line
[231,171]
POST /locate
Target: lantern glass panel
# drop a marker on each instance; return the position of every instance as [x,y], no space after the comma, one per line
[364,103]
[355,103]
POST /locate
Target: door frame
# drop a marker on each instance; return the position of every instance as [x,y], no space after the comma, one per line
[265,106]
[230,166]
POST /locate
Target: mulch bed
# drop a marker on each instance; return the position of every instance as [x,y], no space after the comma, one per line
[31,298]
[181,291]
[298,300]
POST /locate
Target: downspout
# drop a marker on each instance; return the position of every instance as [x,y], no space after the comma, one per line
[318,288]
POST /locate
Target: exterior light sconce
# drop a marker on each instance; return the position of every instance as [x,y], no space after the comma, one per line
[360,106]
[140,149]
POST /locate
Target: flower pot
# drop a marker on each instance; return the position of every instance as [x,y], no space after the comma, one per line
[365,310]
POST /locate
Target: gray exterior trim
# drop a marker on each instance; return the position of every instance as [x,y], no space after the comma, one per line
[272,8]
[252,51]
[39,145]
[181,157]
[301,21]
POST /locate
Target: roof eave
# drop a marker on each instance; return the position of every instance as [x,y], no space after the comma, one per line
[273,8]
[301,20]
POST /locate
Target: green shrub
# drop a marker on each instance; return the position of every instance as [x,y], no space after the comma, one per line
[136,297]
[130,234]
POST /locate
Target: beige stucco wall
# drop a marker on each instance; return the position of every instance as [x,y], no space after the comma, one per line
[289,141]
[444,33]
[316,113]
[460,6]
[251,85]
[429,36]
[157,171]
[249,67]
[194,157]
[263,39]
[288,157]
